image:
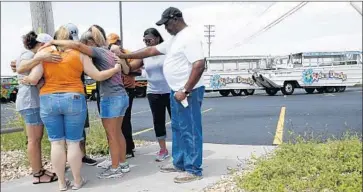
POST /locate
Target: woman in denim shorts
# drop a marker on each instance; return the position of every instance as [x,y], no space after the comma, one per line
[114,100]
[27,103]
[63,105]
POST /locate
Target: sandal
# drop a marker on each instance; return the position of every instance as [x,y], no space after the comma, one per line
[50,174]
[41,173]
[76,187]
[66,186]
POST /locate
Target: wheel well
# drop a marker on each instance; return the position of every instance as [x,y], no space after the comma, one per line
[295,83]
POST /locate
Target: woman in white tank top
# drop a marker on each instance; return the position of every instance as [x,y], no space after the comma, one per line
[158,90]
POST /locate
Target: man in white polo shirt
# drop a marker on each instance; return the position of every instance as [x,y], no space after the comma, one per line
[183,69]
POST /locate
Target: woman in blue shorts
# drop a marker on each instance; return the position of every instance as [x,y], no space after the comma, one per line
[27,103]
[113,97]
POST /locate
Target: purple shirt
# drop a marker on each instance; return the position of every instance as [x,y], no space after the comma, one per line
[103,60]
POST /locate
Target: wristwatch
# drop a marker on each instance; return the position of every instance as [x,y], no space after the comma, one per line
[185,91]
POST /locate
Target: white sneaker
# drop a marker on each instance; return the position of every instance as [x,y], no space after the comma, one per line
[105,164]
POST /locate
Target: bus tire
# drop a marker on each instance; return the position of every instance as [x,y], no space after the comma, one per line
[224,93]
[288,88]
[329,89]
[236,92]
[93,95]
[248,91]
[309,90]
[342,88]
[320,90]
[271,92]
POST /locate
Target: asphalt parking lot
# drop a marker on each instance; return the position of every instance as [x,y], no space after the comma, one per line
[253,120]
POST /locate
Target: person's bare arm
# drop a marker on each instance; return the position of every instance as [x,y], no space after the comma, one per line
[72,45]
[140,54]
[196,73]
[125,67]
[90,69]
[136,64]
[34,76]
[13,66]
[27,65]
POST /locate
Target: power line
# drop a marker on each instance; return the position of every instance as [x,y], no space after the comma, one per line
[260,15]
[209,35]
[272,24]
[356,8]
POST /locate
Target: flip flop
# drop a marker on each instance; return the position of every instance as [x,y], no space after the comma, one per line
[76,187]
[66,186]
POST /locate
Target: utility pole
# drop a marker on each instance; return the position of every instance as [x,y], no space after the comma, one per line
[208,34]
[121,33]
[42,17]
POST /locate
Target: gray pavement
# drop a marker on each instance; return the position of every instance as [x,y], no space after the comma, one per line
[145,176]
[243,125]
[252,120]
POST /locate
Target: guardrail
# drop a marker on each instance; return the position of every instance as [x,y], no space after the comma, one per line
[14,130]
[11,130]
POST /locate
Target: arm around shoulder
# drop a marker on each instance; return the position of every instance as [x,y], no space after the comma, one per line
[35,75]
[74,45]
[94,73]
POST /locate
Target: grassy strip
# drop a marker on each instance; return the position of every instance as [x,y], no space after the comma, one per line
[308,165]
[96,143]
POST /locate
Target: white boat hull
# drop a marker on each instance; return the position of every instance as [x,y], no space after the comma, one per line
[345,75]
[230,80]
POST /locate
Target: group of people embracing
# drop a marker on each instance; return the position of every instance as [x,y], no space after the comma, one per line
[51,94]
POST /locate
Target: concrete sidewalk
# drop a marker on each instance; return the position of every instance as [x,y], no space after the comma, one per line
[145,175]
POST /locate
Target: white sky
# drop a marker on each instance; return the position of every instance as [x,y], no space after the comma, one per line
[318,26]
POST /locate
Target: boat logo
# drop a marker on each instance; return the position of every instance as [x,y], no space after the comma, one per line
[309,76]
[216,81]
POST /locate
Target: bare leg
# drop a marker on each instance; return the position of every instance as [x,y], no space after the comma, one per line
[35,135]
[58,158]
[112,127]
[74,157]
[162,144]
[122,143]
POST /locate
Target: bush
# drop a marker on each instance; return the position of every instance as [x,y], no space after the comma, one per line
[308,165]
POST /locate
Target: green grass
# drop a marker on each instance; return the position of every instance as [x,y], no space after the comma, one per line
[308,165]
[96,143]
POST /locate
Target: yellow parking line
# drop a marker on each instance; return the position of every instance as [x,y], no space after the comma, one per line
[152,128]
[280,127]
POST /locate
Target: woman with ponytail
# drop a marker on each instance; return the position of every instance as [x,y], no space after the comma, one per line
[113,98]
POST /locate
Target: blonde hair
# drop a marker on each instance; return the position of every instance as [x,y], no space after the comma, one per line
[62,34]
[95,35]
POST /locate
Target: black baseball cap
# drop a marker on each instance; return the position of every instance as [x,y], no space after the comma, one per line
[169,13]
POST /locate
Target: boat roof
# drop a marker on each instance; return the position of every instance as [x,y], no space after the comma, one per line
[238,57]
[327,53]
